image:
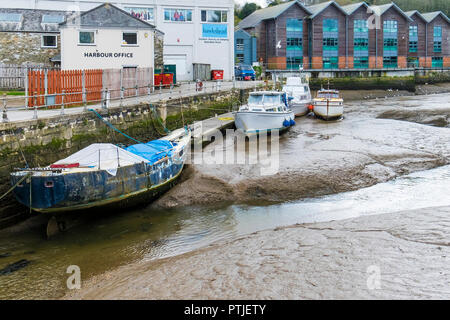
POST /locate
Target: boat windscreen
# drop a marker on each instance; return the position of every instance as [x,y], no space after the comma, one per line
[328,95]
[271,99]
[255,99]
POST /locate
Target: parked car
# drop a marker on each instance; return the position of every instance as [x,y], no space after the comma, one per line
[244,72]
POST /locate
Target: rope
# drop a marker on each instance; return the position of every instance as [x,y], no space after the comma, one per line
[13,187]
[159,120]
[114,128]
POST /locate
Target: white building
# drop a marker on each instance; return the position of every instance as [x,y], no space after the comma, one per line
[106,38]
[196,31]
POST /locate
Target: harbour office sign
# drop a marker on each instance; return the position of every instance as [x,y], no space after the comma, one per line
[108,55]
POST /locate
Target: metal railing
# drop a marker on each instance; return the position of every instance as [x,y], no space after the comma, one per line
[108,96]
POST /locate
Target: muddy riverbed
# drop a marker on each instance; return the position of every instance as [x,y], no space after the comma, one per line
[197,241]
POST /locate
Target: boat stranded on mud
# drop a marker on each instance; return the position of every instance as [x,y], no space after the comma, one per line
[265,111]
[297,88]
[104,176]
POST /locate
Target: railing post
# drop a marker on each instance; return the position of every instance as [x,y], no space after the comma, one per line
[105,102]
[83,90]
[5,116]
[26,87]
[149,89]
[62,102]
[35,115]
[137,90]
[108,98]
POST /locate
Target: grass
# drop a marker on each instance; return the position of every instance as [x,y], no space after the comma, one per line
[12,93]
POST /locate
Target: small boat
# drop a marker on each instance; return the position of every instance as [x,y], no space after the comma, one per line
[328,104]
[265,111]
[299,94]
[104,175]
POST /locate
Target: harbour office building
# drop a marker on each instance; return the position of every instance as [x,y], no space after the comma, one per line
[195,31]
[330,36]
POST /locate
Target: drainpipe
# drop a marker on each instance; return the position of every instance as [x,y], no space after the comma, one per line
[376,47]
[426,43]
[346,42]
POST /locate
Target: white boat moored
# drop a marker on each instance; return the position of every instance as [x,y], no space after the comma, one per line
[265,111]
[298,90]
[328,104]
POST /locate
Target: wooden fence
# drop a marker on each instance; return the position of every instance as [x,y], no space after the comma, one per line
[46,87]
[52,84]
[12,76]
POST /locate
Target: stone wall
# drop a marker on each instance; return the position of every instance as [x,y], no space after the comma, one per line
[25,47]
[44,141]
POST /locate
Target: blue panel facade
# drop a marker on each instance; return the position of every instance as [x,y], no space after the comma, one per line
[244,48]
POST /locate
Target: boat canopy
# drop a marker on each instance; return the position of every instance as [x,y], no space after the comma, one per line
[105,156]
[153,151]
[294,81]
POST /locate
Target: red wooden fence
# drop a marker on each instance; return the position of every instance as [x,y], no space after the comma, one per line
[69,81]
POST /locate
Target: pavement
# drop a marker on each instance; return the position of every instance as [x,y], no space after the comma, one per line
[17,112]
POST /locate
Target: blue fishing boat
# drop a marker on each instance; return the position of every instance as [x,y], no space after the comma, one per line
[104,176]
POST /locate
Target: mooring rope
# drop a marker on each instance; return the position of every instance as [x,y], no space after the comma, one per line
[109,124]
[13,187]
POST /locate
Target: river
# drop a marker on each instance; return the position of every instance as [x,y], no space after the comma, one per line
[104,243]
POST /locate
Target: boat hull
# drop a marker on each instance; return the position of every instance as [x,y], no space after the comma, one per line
[259,122]
[330,112]
[131,186]
[300,109]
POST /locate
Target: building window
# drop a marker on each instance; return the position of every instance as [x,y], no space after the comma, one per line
[240,44]
[240,57]
[361,62]
[390,62]
[361,44]
[360,26]
[413,46]
[294,63]
[390,26]
[330,43]
[49,41]
[294,25]
[179,15]
[217,16]
[87,37]
[129,38]
[49,18]
[10,17]
[437,34]
[330,62]
[145,14]
[413,62]
[437,62]
[413,38]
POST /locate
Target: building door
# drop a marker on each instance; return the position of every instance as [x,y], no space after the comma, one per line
[181,65]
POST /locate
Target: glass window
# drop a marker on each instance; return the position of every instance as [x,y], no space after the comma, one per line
[360,26]
[390,62]
[294,42]
[129,38]
[47,18]
[413,31]
[255,99]
[413,46]
[294,63]
[217,16]
[437,46]
[437,32]
[179,15]
[87,37]
[239,44]
[361,62]
[10,17]
[49,41]
[437,62]
[390,26]
[145,14]
[240,57]
[294,25]
[330,62]
[330,25]
[272,99]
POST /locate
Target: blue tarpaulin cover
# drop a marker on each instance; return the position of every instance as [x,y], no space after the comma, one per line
[152,151]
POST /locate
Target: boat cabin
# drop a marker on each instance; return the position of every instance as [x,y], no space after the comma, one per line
[267,101]
[328,94]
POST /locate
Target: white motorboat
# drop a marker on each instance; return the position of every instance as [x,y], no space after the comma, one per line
[265,111]
[328,104]
[299,94]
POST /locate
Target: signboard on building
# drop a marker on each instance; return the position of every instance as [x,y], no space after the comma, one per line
[215,31]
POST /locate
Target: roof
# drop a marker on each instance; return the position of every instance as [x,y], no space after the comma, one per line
[107,16]
[381,9]
[430,16]
[243,32]
[32,20]
[350,8]
[269,13]
[318,8]
[413,12]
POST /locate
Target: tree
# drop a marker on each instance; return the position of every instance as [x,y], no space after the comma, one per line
[248,9]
